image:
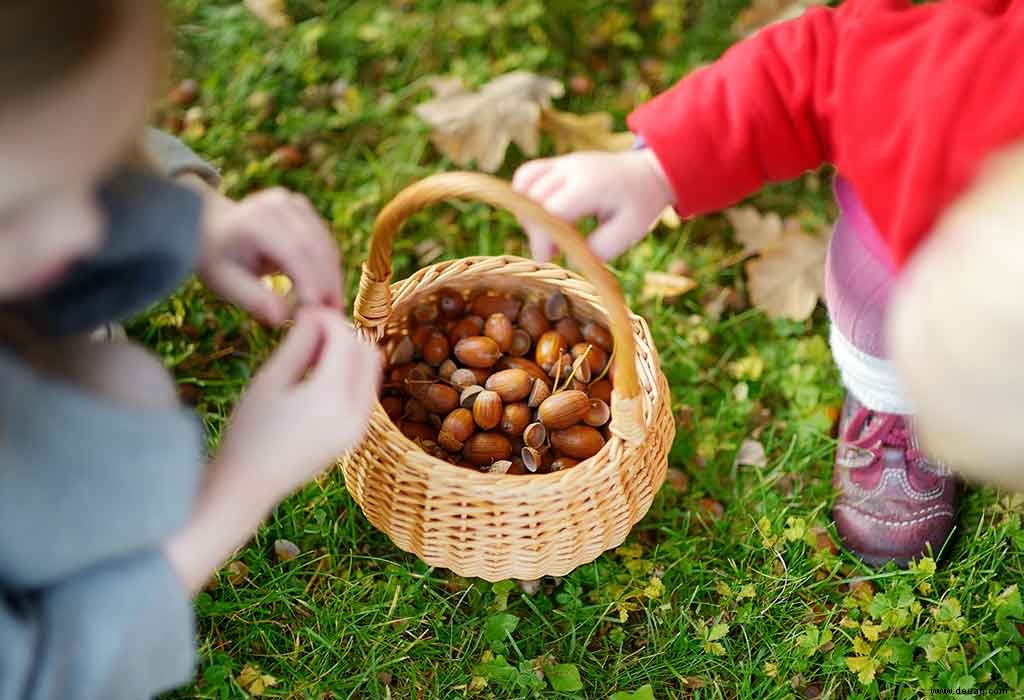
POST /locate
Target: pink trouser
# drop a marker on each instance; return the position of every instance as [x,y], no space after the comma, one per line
[859,277]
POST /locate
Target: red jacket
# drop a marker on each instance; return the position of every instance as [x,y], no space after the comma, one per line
[906,101]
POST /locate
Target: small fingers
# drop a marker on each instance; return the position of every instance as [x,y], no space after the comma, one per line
[529,173]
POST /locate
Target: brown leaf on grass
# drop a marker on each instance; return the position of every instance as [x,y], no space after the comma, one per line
[479,126]
[271,12]
[751,454]
[710,509]
[823,541]
[756,231]
[678,481]
[254,682]
[762,13]
[584,132]
[237,573]
[787,280]
[664,285]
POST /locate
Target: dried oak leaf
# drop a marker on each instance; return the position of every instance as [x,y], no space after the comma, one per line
[271,12]
[756,231]
[584,132]
[479,126]
[762,13]
[664,285]
[253,682]
[787,280]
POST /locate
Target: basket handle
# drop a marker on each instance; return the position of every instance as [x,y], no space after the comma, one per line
[373,303]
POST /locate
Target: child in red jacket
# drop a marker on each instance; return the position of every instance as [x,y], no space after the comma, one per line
[907,102]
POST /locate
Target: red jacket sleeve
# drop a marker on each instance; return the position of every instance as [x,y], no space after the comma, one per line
[906,102]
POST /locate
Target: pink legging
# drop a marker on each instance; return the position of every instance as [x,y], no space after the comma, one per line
[859,276]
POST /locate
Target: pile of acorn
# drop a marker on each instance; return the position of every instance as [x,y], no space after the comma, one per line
[494,384]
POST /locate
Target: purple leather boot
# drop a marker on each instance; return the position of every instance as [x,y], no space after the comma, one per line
[893,503]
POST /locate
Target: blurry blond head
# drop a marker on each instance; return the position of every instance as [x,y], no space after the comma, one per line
[957,329]
[76,77]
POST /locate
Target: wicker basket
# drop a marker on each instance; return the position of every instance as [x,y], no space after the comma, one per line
[505,526]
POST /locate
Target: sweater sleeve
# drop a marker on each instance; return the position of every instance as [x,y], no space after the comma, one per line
[122,630]
[906,101]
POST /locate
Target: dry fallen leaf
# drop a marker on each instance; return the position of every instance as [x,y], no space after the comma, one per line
[664,285]
[756,231]
[271,12]
[479,126]
[710,509]
[285,550]
[787,280]
[237,573]
[253,682]
[751,453]
[584,132]
[762,13]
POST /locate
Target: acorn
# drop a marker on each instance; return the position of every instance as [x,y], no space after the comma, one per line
[535,436]
[521,343]
[550,348]
[564,409]
[561,463]
[487,409]
[498,328]
[529,366]
[570,331]
[489,303]
[598,335]
[514,418]
[538,392]
[532,459]
[581,369]
[556,307]
[399,373]
[562,369]
[393,406]
[469,394]
[451,303]
[485,448]
[602,390]
[417,431]
[440,398]
[288,157]
[533,321]
[596,357]
[421,335]
[403,352]
[415,411]
[425,313]
[578,442]
[462,377]
[597,414]
[510,384]
[477,351]
[481,374]
[456,429]
[435,350]
[447,369]
[470,325]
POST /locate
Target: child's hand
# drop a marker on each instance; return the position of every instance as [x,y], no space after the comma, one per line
[308,404]
[268,231]
[626,192]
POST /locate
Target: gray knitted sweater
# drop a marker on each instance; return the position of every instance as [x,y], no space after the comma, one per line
[89,607]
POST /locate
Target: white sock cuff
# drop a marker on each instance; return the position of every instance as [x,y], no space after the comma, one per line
[874,381]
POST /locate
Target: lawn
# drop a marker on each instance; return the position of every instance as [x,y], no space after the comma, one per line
[731,587]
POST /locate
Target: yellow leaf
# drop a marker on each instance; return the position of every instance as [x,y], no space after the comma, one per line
[664,285]
[655,588]
[861,646]
[871,631]
[787,280]
[670,218]
[925,566]
[253,682]
[584,132]
[271,12]
[723,589]
[848,623]
[771,670]
[479,126]
[279,284]
[864,666]
[746,592]
[715,648]
[749,367]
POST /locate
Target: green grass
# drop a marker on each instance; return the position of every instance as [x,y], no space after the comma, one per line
[739,606]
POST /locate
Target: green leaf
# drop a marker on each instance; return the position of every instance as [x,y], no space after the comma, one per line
[718,631]
[498,670]
[645,692]
[498,628]
[501,590]
[900,653]
[564,678]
